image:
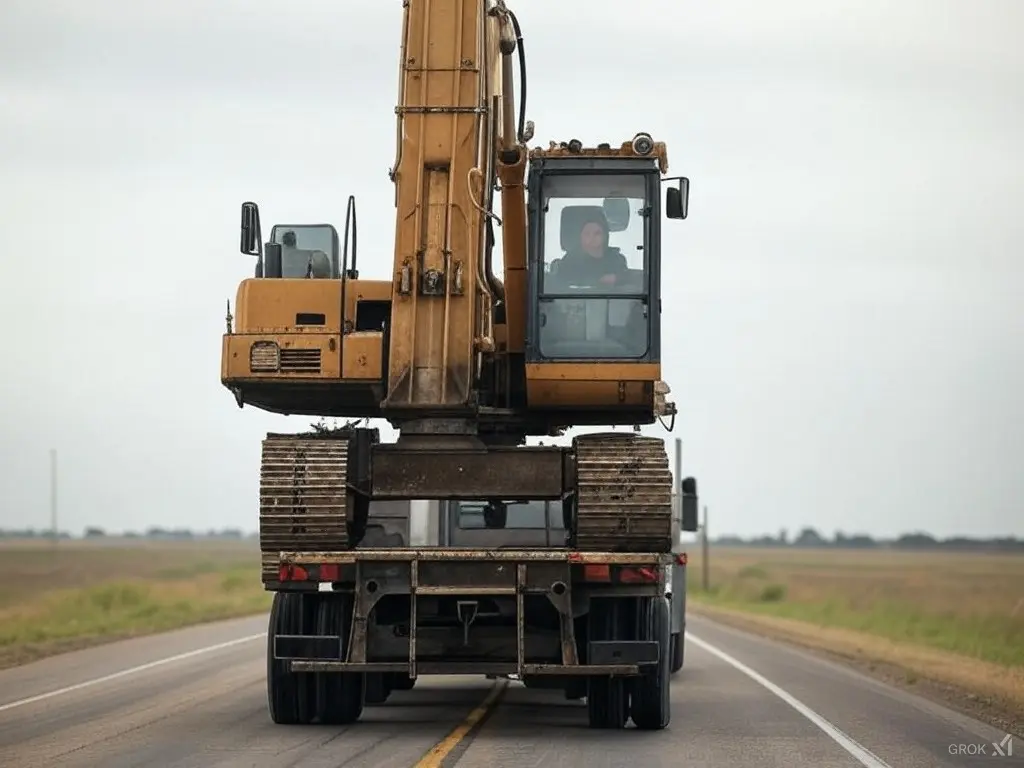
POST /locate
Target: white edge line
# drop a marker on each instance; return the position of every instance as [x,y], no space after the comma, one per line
[861,753]
[130,671]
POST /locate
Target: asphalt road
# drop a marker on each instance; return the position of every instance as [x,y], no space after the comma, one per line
[196,697]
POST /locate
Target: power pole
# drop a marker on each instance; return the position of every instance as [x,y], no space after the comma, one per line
[53,496]
[704,561]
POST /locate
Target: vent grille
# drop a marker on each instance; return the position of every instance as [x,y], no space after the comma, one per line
[264,357]
[300,360]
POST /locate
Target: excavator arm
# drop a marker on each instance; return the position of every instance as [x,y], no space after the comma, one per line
[439,299]
[455,134]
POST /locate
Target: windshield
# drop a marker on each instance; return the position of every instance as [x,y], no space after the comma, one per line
[595,234]
[313,237]
[529,515]
[593,294]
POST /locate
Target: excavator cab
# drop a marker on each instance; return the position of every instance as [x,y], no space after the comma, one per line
[594,253]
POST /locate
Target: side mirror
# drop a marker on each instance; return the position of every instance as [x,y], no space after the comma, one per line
[689,503]
[249,242]
[677,199]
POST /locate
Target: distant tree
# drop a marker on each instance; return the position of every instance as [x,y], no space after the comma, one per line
[729,540]
[809,537]
[860,541]
[916,541]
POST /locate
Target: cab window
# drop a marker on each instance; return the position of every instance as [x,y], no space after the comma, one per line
[301,243]
[594,277]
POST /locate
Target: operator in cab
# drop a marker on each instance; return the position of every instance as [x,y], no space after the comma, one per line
[591,262]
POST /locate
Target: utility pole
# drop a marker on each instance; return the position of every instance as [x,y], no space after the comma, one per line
[704,561]
[53,496]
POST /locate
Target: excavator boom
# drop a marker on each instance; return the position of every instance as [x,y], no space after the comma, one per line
[439,297]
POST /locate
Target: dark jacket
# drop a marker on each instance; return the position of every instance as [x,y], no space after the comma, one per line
[582,269]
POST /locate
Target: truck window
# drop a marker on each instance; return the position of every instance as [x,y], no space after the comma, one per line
[527,515]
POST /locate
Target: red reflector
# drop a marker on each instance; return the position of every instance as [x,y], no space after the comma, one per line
[597,572]
[634,575]
[329,572]
[681,558]
[292,573]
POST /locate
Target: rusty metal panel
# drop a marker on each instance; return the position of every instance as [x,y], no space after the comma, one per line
[468,668]
[540,577]
[482,574]
[533,472]
[621,670]
[424,555]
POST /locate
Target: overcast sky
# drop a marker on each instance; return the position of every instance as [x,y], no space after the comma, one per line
[844,336]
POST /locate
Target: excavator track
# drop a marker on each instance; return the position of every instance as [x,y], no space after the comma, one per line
[303,497]
[623,493]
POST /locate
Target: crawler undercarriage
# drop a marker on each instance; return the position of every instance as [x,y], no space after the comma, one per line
[315,489]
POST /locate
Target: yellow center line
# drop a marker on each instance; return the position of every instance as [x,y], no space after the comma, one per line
[435,757]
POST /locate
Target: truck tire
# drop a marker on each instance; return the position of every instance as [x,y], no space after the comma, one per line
[678,645]
[607,702]
[339,695]
[378,687]
[607,697]
[401,681]
[291,697]
[651,704]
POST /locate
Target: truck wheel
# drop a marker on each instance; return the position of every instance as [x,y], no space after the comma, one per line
[291,697]
[678,645]
[339,695]
[401,681]
[378,687]
[651,706]
[607,702]
[607,697]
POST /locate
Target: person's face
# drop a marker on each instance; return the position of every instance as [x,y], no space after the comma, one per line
[592,239]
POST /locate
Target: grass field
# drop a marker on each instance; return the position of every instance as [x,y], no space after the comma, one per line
[80,593]
[955,619]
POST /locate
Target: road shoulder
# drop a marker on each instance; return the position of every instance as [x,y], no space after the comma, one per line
[112,660]
[936,676]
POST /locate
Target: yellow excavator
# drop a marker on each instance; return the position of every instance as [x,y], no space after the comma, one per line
[467,366]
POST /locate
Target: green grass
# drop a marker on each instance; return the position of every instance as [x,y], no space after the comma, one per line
[82,593]
[968,604]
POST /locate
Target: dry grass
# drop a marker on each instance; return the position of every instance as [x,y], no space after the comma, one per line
[84,593]
[955,619]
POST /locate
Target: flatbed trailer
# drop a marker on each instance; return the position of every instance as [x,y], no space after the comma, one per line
[347,627]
